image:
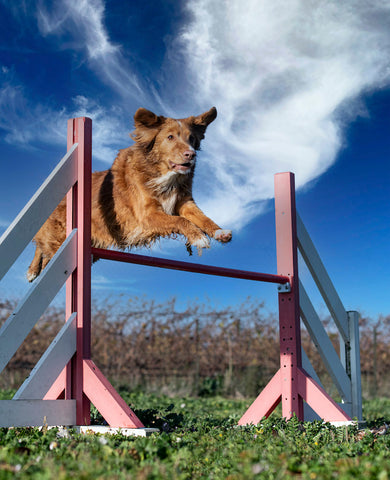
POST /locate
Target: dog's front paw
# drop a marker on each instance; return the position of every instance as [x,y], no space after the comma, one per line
[223,236]
[200,243]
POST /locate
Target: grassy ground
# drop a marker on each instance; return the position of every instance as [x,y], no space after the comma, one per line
[199,439]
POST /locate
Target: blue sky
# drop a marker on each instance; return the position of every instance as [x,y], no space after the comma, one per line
[304,89]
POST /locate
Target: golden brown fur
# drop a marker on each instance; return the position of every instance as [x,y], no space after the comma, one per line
[146,194]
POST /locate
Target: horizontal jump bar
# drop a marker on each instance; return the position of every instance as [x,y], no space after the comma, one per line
[186,266]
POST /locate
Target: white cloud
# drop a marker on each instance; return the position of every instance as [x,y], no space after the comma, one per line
[3,224]
[284,81]
[83,21]
[26,124]
[101,282]
[110,127]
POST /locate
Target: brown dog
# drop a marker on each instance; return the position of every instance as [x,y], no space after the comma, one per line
[146,194]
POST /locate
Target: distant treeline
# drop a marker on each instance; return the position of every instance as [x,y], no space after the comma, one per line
[200,351]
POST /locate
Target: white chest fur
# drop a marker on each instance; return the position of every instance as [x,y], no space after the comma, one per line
[169,202]
[165,187]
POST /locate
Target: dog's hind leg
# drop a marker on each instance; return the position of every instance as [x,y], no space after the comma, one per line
[36,265]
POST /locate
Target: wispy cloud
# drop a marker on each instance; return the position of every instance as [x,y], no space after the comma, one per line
[101,282]
[3,224]
[27,123]
[80,25]
[284,81]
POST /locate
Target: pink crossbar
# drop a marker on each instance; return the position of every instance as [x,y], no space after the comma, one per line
[187,266]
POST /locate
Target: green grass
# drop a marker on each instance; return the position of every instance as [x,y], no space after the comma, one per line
[199,439]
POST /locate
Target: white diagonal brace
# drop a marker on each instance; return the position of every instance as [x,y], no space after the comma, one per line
[308,367]
[324,345]
[52,362]
[37,210]
[322,279]
[22,320]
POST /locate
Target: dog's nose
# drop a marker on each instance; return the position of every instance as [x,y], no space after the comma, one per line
[189,154]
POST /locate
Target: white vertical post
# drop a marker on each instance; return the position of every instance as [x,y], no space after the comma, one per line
[353,320]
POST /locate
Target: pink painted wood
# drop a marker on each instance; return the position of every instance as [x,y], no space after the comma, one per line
[84,382]
[104,396]
[79,284]
[289,314]
[57,389]
[291,384]
[187,266]
[319,400]
[265,403]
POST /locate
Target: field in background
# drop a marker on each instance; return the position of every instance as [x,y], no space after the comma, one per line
[140,344]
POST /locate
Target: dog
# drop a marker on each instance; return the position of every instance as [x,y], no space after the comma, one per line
[145,195]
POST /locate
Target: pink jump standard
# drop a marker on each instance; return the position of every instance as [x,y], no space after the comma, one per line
[81,379]
[291,385]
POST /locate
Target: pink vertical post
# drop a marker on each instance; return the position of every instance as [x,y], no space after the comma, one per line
[81,379]
[289,313]
[78,288]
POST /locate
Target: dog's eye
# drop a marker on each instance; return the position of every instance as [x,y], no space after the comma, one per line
[170,137]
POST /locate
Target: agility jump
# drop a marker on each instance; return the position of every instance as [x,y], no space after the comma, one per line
[65,381]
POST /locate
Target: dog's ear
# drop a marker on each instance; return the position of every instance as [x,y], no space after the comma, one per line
[206,118]
[146,118]
[201,122]
[146,125]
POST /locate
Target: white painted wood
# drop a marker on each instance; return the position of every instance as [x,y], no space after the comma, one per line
[37,210]
[324,345]
[103,430]
[309,414]
[21,321]
[355,365]
[37,413]
[308,367]
[51,364]
[322,279]
[343,353]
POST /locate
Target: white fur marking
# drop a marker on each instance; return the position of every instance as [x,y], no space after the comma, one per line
[202,242]
[220,233]
[31,276]
[164,179]
[135,236]
[169,203]
[164,183]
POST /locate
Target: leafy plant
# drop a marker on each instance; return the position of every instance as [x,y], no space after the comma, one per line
[199,438]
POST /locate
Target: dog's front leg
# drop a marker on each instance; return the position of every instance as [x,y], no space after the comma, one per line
[189,210]
[160,224]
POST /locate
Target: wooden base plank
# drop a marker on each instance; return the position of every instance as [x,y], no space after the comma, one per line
[37,413]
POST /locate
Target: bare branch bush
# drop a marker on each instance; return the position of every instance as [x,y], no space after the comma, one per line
[199,350]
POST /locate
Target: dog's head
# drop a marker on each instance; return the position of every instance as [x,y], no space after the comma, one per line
[169,144]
